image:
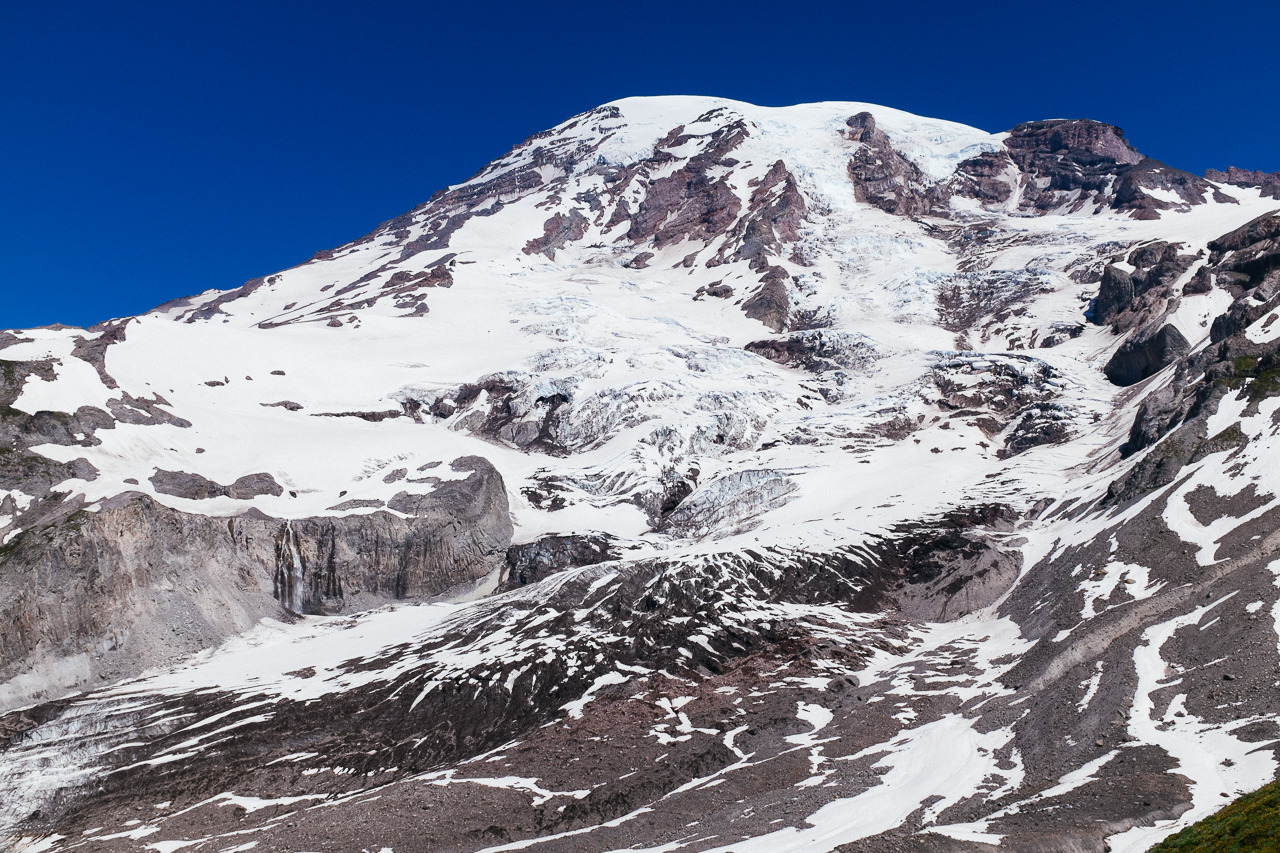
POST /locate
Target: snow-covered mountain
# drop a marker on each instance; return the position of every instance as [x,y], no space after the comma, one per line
[697,476]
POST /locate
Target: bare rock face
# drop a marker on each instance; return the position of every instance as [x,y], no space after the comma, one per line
[1139,358]
[1267,182]
[557,231]
[1069,164]
[533,561]
[103,595]
[774,215]
[690,203]
[771,304]
[881,176]
[195,487]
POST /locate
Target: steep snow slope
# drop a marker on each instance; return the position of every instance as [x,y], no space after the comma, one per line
[868,479]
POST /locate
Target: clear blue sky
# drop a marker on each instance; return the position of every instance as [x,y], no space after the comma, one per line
[152,150]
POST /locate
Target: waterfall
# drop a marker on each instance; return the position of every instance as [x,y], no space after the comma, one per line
[291,585]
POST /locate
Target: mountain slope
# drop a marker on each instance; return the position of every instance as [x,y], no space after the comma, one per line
[1250,823]
[788,478]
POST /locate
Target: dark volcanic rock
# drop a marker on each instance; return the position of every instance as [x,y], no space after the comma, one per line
[690,203]
[1115,294]
[556,232]
[774,215]
[881,176]
[1267,182]
[817,350]
[534,561]
[1070,164]
[771,304]
[1139,358]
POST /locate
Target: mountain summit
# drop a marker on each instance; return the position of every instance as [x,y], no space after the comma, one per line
[697,476]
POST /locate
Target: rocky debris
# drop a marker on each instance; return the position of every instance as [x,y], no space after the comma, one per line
[516,413]
[951,566]
[371,417]
[1061,333]
[626,629]
[723,506]
[966,299]
[546,492]
[1037,425]
[608,702]
[1267,182]
[288,405]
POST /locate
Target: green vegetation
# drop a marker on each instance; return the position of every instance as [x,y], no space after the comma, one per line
[1249,825]
[1244,363]
[1262,374]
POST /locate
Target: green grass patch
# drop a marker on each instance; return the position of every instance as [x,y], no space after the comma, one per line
[1265,384]
[1249,825]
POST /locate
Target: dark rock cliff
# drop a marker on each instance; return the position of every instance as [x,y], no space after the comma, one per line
[92,596]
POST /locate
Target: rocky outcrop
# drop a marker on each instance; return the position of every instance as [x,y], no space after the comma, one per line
[102,595]
[195,487]
[1069,165]
[533,561]
[772,222]
[1248,257]
[1267,182]
[1139,358]
[556,232]
[693,202]
[771,304]
[818,350]
[881,176]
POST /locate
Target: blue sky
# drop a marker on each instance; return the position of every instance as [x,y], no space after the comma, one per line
[153,150]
